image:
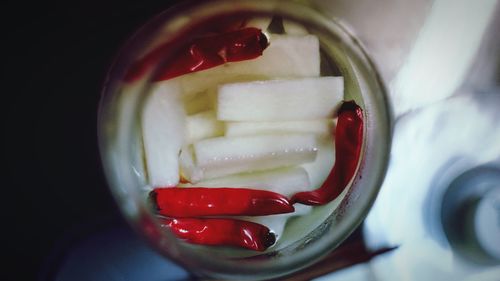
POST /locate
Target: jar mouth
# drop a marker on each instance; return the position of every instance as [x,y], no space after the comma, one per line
[119,131]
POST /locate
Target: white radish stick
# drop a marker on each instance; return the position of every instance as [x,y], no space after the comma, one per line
[231,155]
[277,223]
[285,181]
[294,28]
[319,170]
[188,169]
[319,127]
[198,88]
[163,127]
[259,22]
[283,58]
[203,125]
[280,100]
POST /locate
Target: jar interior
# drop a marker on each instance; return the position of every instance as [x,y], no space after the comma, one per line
[306,238]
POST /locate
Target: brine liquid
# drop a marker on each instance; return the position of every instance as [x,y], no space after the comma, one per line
[201,99]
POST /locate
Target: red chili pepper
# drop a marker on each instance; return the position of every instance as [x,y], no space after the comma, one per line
[200,201]
[221,232]
[348,143]
[202,53]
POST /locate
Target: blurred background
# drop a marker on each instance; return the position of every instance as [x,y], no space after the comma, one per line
[438,213]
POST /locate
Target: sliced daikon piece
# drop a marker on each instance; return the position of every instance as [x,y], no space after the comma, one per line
[259,22]
[196,86]
[277,223]
[187,168]
[294,28]
[203,125]
[193,102]
[280,100]
[286,181]
[284,58]
[125,103]
[318,126]
[163,128]
[320,168]
[168,85]
[231,155]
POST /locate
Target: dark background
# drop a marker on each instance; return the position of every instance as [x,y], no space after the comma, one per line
[56,59]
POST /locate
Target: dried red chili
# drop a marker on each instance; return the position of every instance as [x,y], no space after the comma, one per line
[200,201]
[348,143]
[221,232]
[202,53]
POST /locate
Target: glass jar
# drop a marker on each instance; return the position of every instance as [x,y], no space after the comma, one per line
[121,145]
